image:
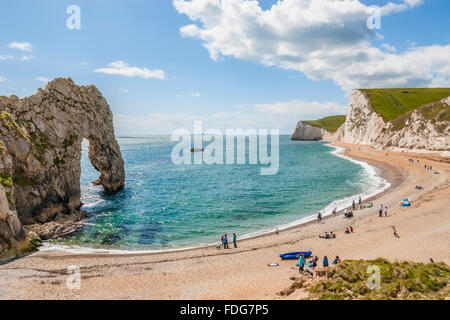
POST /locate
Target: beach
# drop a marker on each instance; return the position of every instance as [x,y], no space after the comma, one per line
[243,273]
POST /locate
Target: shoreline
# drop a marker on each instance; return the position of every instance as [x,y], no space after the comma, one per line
[242,273]
[304,221]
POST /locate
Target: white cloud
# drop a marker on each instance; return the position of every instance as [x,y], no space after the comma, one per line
[123,90]
[123,69]
[43,79]
[389,47]
[324,39]
[22,46]
[6,57]
[279,115]
[196,94]
[2,78]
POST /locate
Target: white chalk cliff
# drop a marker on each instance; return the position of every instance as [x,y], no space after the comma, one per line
[412,131]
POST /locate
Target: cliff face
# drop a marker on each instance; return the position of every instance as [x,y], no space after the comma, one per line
[425,128]
[40,151]
[307,132]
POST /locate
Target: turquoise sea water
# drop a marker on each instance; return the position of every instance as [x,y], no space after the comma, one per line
[165,206]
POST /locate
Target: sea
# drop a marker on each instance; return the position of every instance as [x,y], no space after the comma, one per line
[167,206]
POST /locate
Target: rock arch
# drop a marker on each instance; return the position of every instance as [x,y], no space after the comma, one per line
[40,150]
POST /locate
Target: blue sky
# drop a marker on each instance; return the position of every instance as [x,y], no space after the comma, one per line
[229,70]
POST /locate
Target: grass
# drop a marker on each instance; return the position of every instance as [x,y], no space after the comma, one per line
[331,124]
[399,281]
[5,179]
[393,103]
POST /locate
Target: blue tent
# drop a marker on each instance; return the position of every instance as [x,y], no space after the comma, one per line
[405,203]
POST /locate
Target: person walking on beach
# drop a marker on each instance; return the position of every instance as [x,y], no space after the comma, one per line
[354,205]
[221,240]
[319,217]
[334,212]
[225,242]
[234,240]
[385,211]
[380,210]
[360,203]
[325,261]
[301,263]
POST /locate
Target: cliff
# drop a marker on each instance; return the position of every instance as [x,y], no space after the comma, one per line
[314,130]
[425,128]
[40,152]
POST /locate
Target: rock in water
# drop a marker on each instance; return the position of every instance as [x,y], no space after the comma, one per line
[40,152]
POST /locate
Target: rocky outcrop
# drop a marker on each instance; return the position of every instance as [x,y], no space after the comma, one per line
[306,132]
[424,129]
[40,152]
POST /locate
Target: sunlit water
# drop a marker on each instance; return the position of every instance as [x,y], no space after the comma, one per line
[166,206]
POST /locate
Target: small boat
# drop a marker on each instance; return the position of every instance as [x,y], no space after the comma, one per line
[295,255]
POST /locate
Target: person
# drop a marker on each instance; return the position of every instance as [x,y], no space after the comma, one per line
[385,211]
[319,217]
[346,213]
[221,240]
[313,263]
[354,205]
[380,210]
[325,261]
[347,231]
[351,229]
[326,236]
[332,235]
[336,260]
[234,240]
[395,232]
[334,211]
[225,242]
[301,263]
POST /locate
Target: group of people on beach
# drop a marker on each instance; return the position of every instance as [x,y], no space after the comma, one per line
[313,263]
[224,241]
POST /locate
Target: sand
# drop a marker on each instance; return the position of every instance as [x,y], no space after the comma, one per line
[243,273]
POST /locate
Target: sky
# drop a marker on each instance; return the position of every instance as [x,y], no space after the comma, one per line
[266,64]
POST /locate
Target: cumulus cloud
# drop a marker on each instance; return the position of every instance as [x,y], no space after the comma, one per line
[22,46]
[278,115]
[43,79]
[324,39]
[123,69]
[2,78]
[196,94]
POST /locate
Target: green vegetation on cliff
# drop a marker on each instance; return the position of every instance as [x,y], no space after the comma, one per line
[331,124]
[393,103]
[398,280]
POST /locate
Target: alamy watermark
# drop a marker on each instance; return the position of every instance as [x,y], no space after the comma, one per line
[374,20]
[73,22]
[233,144]
[73,282]
[374,281]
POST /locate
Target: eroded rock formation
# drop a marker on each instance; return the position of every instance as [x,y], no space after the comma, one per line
[40,152]
[424,129]
[307,132]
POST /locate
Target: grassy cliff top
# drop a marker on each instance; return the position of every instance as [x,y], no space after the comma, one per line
[398,280]
[393,103]
[331,124]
